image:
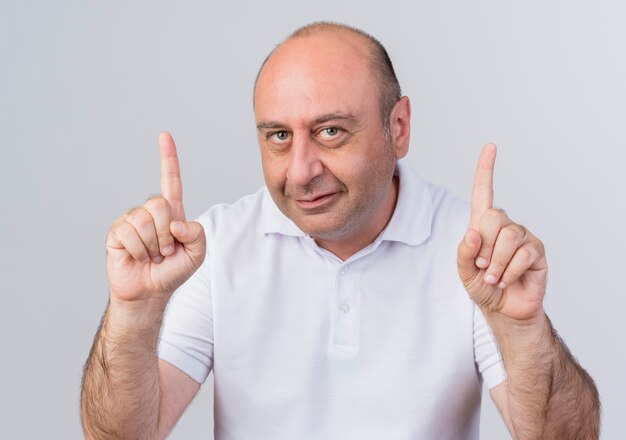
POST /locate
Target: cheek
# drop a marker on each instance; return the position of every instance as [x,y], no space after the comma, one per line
[374,171]
[358,167]
[274,171]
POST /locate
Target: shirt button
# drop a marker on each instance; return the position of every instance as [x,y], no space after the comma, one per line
[344,270]
[345,308]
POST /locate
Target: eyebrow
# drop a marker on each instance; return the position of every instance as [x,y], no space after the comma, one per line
[319,120]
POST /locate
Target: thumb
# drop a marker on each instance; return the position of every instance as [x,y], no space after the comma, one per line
[466,254]
[191,236]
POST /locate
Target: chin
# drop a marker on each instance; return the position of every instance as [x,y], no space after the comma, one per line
[324,230]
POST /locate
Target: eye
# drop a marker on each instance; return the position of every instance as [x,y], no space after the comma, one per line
[279,137]
[329,133]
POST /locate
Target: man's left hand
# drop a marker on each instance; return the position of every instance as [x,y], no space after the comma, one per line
[502,265]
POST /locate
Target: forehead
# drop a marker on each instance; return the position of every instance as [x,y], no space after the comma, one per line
[314,75]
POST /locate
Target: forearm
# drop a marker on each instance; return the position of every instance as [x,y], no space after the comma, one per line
[120,392]
[549,395]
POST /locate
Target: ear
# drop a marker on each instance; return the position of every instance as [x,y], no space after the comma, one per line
[400,126]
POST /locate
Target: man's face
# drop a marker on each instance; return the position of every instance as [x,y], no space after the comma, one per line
[325,160]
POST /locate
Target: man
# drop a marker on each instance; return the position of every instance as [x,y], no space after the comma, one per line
[328,305]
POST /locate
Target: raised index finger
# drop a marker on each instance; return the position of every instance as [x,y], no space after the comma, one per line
[482,193]
[171,184]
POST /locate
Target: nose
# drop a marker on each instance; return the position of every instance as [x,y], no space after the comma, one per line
[304,161]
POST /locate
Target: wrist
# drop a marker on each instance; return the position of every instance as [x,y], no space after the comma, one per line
[498,320]
[142,315]
[521,336]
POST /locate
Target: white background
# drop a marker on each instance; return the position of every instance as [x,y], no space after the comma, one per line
[86,86]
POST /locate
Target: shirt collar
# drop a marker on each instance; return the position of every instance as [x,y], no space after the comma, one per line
[273,221]
[412,217]
[410,222]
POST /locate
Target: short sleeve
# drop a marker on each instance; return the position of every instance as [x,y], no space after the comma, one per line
[486,353]
[186,339]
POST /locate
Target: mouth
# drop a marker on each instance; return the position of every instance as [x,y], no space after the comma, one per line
[317,202]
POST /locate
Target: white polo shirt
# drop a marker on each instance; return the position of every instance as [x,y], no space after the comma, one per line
[384,345]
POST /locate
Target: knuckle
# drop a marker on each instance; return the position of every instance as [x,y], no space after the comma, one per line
[508,234]
[541,249]
[525,254]
[514,232]
[115,226]
[123,230]
[117,221]
[521,230]
[157,202]
[499,216]
[133,211]
[130,214]
[492,215]
[121,227]
[493,219]
[139,217]
[498,213]
[143,220]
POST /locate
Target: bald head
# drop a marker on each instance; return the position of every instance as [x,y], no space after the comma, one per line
[376,60]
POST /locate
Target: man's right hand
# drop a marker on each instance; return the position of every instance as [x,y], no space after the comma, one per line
[152,249]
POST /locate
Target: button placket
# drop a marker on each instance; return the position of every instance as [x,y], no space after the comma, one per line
[343,289]
[345,333]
